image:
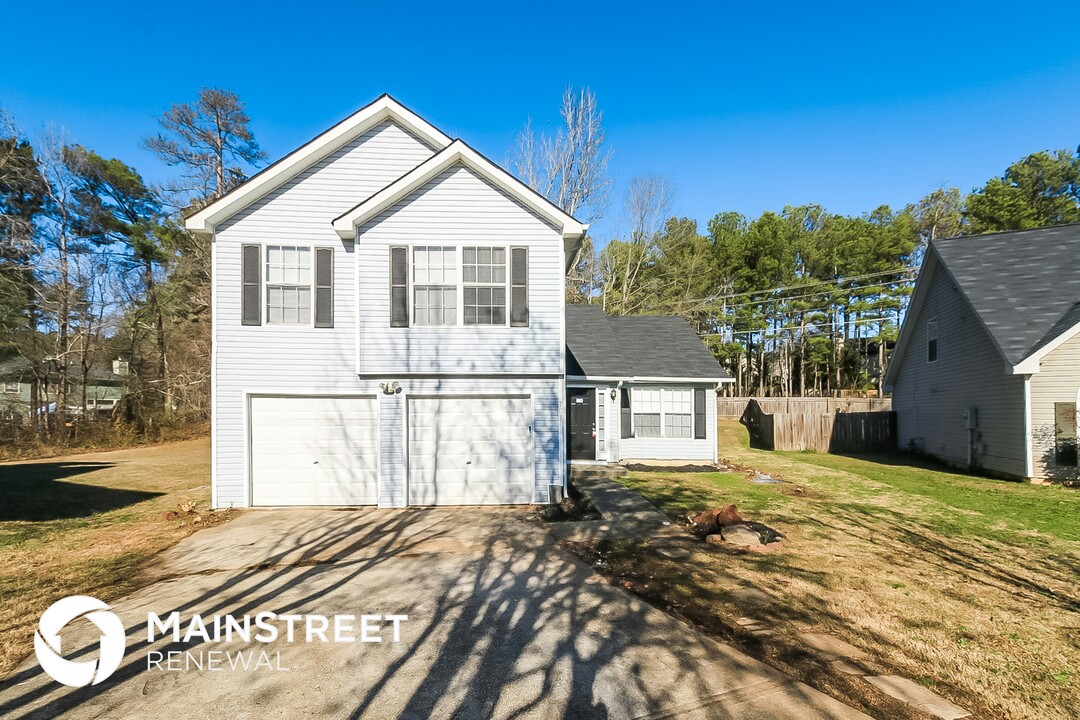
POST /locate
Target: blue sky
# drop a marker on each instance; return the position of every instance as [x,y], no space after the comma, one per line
[744,106]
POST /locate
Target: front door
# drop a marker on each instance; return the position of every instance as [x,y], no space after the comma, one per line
[582,417]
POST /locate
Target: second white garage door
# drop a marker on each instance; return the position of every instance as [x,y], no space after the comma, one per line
[314,451]
[470,451]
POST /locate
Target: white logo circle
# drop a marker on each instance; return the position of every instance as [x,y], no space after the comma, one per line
[47,641]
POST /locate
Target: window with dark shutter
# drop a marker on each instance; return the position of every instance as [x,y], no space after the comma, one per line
[399,287]
[251,293]
[699,413]
[625,412]
[519,287]
[324,287]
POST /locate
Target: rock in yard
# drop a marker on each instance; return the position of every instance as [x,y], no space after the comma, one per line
[710,520]
[716,539]
[740,534]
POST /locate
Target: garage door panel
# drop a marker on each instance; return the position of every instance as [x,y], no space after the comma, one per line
[314,451]
[465,451]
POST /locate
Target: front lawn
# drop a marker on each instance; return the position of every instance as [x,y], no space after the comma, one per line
[85,524]
[967,585]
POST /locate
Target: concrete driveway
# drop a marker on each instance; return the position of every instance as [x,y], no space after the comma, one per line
[502,623]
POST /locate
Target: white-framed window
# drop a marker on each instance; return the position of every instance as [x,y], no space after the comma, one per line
[11,387]
[434,270]
[483,274]
[931,340]
[288,285]
[663,412]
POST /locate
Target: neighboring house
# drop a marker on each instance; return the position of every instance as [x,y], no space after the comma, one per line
[986,372]
[388,325]
[639,388]
[105,387]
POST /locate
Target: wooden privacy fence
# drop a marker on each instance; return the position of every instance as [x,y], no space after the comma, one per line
[837,432]
[732,408]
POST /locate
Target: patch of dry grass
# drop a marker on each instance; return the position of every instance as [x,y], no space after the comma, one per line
[84,524]
[967,585]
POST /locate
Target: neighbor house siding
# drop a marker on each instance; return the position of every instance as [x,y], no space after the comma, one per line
[459,208]
[705,449]
[931,399]
[547,449]
[1057,381]
[293,359]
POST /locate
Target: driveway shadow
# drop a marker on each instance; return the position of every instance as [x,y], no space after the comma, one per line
[502,623]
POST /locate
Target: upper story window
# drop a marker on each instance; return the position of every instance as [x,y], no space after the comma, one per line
[483,272]
[435,285]
[931,340]
[288,285]
[447,285]
[11,387]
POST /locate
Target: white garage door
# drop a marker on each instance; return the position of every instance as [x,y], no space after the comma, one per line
[470,451]
[314,451]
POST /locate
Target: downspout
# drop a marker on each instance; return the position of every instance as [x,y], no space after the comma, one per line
[716,439]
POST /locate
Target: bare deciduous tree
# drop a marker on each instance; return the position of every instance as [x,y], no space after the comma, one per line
[570,167]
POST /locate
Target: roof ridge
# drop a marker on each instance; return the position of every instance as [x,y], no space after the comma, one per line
[1005,232]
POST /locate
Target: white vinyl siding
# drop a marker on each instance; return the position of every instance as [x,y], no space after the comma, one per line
[1058,381]
[463,210]
[284,358]
[930,399]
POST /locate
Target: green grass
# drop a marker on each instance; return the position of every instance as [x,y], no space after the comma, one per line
[1021,506]
[964,583]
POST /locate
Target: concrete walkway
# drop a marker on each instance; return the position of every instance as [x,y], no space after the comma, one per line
[502,623]
[626,514]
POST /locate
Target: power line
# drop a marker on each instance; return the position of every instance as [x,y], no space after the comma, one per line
[816,283]
[814,294]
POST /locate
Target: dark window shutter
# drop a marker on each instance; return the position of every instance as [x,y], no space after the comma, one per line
[625,412]
[699,413]
[251,294]
[399,287]
[519,287]
[324,287]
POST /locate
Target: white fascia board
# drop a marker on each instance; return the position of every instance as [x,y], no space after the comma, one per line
[384,108]
[455,153]
[1030,364]
[697,380]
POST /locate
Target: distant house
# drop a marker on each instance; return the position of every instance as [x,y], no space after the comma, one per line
[105,387]
[986,372]
[639,388]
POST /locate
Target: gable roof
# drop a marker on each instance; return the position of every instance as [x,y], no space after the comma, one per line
[1024,287]
[384,108]
[636,346]
[459,153]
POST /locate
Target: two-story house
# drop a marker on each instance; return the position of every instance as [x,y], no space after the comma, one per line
[389,325]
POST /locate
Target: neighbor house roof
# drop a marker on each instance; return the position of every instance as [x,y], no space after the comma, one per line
[635,346]
[19,367]
[1023,285]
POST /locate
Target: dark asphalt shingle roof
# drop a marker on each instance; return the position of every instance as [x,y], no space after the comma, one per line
[599,345]
[1025,285]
